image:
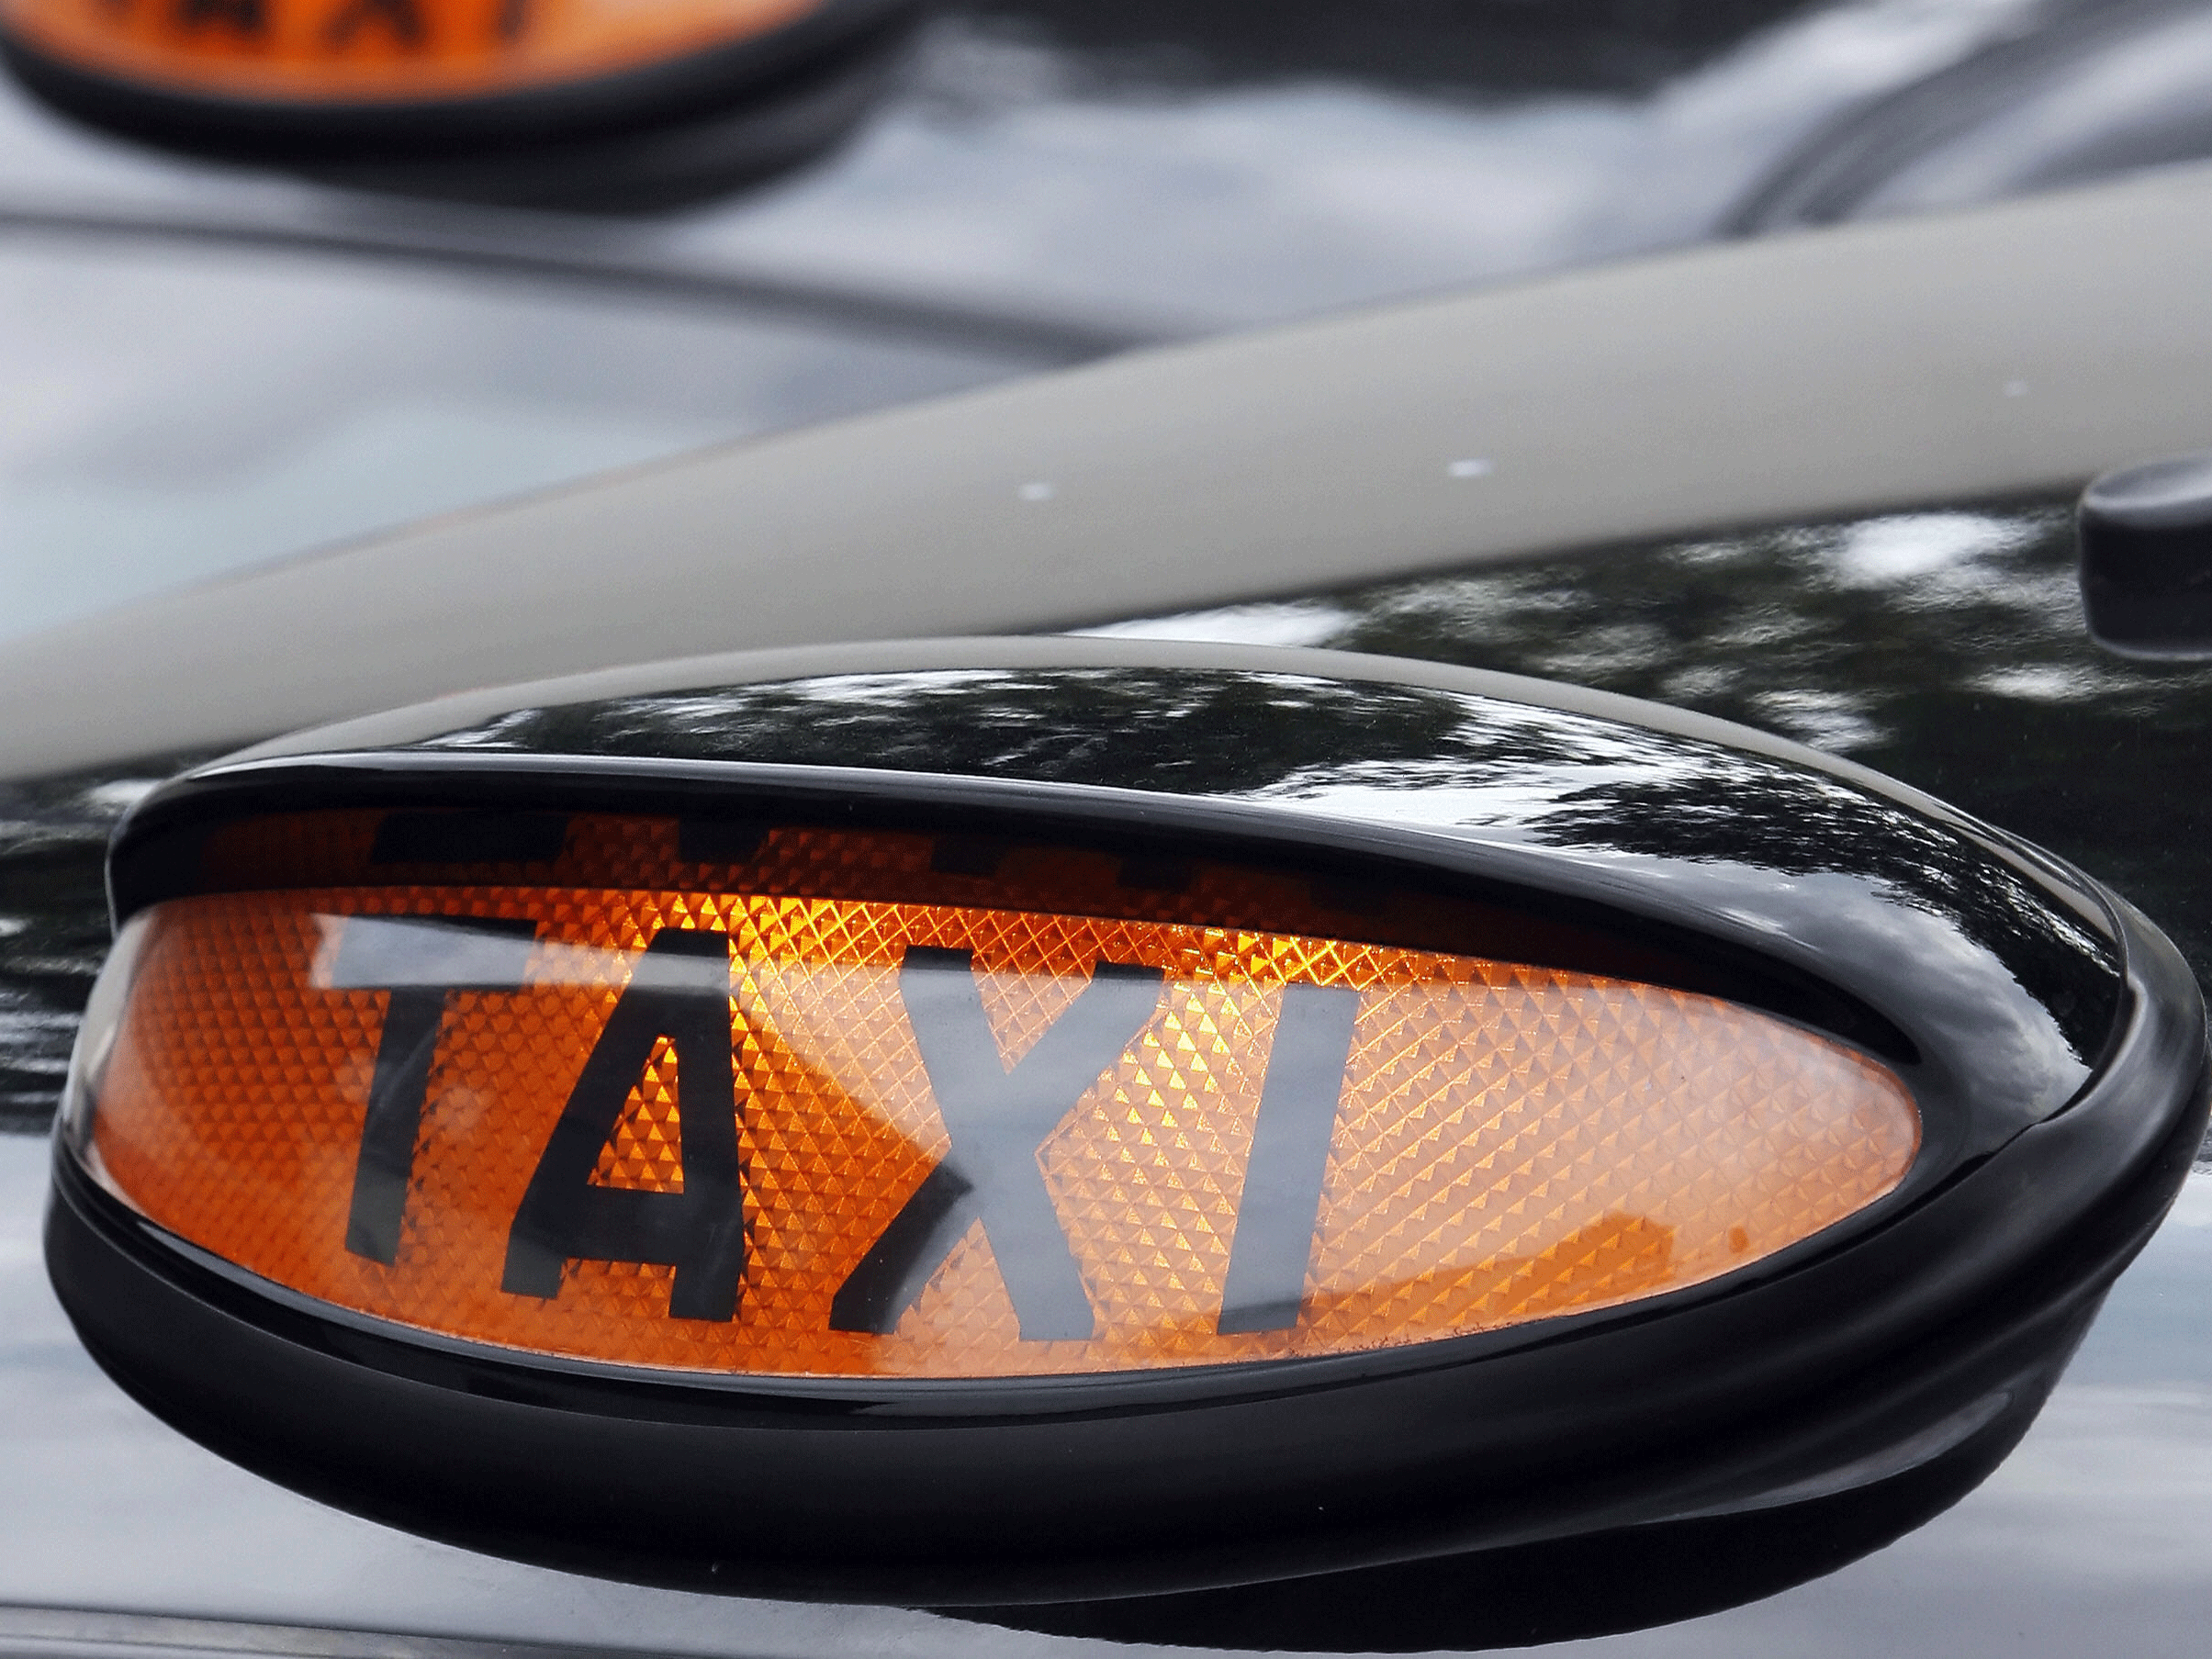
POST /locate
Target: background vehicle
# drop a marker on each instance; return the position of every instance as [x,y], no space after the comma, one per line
[1910,412]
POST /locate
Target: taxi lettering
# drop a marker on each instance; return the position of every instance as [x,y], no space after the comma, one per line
[996,1117]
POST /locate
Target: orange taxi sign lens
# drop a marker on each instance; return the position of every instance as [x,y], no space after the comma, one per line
[744,1127]
[342,52]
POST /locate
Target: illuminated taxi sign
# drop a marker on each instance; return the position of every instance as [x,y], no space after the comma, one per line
[342,52]
[735,1119]
[556,1129]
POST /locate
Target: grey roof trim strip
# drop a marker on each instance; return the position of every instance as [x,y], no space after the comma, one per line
[2022,347]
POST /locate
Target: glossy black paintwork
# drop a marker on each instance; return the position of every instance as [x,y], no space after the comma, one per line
[53,924]
[1944,647]
[1621,1580]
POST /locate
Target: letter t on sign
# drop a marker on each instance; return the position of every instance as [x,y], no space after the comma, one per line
[420,960]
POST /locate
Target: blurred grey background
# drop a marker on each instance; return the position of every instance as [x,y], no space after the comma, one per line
[205,365]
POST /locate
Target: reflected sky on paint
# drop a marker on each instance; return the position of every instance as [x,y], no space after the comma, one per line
[1131,186]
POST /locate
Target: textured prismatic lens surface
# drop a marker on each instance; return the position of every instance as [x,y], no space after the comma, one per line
[1189,1143]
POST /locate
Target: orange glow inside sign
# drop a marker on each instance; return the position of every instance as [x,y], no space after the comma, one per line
[724,1127]
[370,51]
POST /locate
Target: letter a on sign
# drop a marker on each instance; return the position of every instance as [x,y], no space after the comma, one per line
[680,990]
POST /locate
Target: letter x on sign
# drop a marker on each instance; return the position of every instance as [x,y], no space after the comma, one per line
[997,1117]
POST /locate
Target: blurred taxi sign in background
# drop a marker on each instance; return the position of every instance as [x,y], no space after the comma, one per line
[409,74]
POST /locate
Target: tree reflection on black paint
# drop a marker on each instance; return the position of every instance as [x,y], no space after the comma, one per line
[1973,679]
[53,924]
[1544,776]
